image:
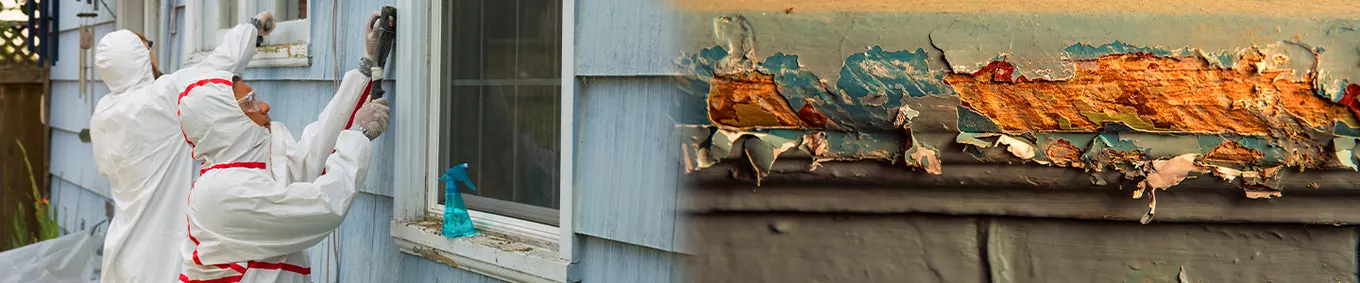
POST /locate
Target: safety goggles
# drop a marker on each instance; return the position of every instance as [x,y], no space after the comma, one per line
[250,104]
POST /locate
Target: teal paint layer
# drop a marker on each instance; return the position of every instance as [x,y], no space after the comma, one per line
[1087,51]
[871,87]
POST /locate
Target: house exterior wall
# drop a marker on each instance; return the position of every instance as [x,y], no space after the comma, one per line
[78,191]
[640,248]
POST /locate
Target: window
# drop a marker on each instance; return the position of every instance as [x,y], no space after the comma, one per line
[501,71]
[488,85]
[286,46]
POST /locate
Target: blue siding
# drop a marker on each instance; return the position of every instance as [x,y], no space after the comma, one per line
[76,208]
[73,161]
[77,191]
[610,261]
[626,38]
[627,170]
[70,111]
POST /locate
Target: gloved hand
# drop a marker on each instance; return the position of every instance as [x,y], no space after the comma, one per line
[372,118]
[263,22]
[371,36]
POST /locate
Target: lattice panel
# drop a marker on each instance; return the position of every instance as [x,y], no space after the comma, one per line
[14,44]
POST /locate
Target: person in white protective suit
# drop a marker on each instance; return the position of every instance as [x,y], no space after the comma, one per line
[262,197]
[138,147]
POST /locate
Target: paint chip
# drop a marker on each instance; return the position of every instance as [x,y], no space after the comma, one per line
[1017,147]
[924,157]
[1163,174]
[1063,153]
[1344,151]
[975,139]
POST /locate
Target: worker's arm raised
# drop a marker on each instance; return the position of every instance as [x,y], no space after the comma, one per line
[319,138]
[237,47]
[253,218]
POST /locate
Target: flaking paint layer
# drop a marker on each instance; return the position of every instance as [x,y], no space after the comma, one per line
[1154,114]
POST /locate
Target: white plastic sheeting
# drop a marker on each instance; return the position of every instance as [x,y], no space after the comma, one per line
[73,258]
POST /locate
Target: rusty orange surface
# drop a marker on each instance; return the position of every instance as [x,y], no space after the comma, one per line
[1231,152]
[747,100]
[1172,94]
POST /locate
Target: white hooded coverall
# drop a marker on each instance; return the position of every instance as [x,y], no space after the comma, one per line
[263,198]
[138,146]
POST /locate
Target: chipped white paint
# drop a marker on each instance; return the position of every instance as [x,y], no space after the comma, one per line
[1019,148]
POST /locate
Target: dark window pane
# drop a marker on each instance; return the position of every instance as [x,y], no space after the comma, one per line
[501,106]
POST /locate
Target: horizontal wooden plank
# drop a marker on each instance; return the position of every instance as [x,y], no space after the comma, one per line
[1038,250]
[626,38]
[73,161]
[794,247]
[67,66]
[624,262]
[1188,204]
[21,74]
[993,176]
[70,111]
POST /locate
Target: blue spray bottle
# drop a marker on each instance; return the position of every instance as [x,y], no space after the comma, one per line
[456,220]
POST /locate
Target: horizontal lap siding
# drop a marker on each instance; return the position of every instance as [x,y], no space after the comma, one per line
[626,38]
[77,191]
[627,170]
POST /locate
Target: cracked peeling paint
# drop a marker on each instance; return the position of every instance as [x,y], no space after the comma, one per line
[1155,115]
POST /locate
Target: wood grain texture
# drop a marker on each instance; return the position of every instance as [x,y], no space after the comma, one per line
[627,175]
[626,38]
[367,252]
[1035,250]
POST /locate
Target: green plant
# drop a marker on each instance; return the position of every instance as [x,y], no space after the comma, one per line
[47,225]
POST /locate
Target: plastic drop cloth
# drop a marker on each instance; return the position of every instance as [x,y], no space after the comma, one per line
[73,258]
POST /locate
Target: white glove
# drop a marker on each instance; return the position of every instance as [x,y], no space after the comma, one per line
[372,118]
[371,35]
[263,22]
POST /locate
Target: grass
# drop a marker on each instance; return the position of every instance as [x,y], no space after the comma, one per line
[47,225]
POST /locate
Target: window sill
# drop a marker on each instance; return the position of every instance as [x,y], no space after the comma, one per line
[485,253]
[290,55]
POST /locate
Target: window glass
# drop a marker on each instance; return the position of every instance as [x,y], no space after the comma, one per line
[501,68]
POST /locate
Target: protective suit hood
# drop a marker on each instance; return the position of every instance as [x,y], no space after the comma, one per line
[212,121]
[216,127]
[123,61]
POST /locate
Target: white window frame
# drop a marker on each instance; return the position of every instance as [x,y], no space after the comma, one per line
[286,46]
[540,253]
